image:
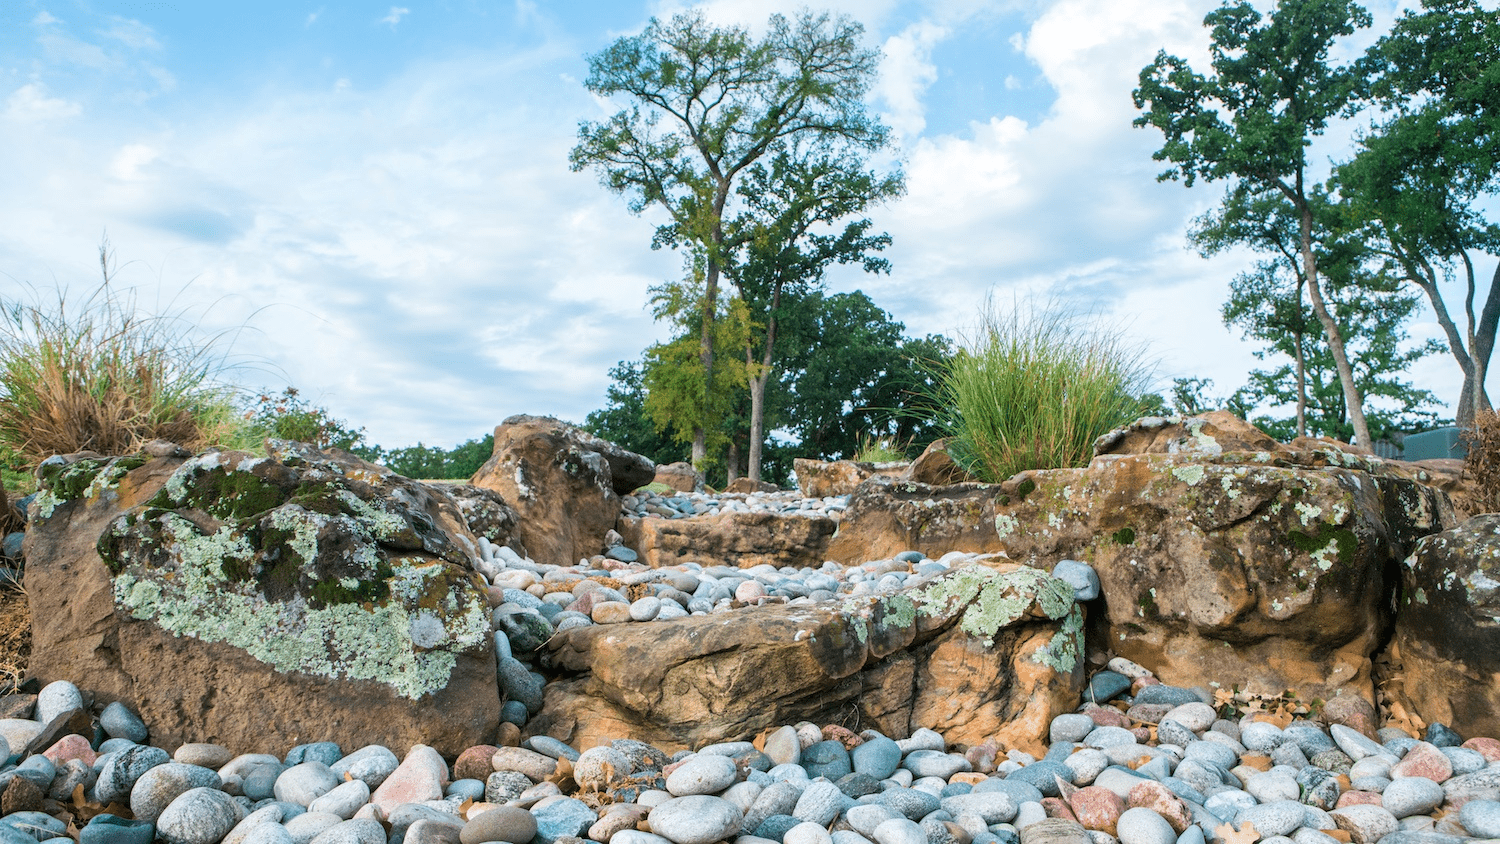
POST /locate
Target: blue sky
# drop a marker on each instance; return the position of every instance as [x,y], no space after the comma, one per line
[379,194]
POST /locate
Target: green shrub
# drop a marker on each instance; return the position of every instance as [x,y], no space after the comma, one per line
[880,450]
[288,416]
[1034,389]
[106,377]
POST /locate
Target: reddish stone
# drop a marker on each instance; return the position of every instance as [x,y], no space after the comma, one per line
[1097,808]
[1357,798]
[474,763]
[843,735]
[1142,734]
[71,747]
[508,735]
[421,776]
[982,757]
[1141,682]
[1056,808]
[1106,716]
[1486,747]
[1160,799]
[1423,760]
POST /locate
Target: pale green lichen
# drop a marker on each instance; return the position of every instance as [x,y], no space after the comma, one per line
[43,505]
[1421,595]
[352,641]
[1064,650]
[1005,525]
[992,600]
[380,523]
[1308,513]
[899,611]
[1190,475]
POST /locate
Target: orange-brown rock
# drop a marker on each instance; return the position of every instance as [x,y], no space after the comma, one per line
[105,631]
[564,483]
[886,517]
[1210,434]
[680,476]
[731,538]
[1267,570]
[984,651]
[745,486]
[822,478]
[936,467]
[1447,631]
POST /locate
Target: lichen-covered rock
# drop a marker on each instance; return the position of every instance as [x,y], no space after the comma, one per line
[822,478]
[1448,627]
[1210,434]
[985,650]
[564,483]
[887,516]
[740,539]
[1268,570]
[309,593]
[485,512]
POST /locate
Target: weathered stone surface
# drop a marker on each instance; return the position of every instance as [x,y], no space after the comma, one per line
[986,650]
[888,516]
[936,467]
[822,478]
[745,486]
[1211,434]
[484,511]
[732,539]
[227,596]
[1267,570]
[680,476]
[1448,627]
[564,484]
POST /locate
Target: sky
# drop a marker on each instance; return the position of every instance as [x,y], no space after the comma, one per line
[372,202]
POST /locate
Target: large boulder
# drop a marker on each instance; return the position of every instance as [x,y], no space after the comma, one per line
[564,483]
[738,539]
[1448,627]
[1209,434]
[989,650]
[822,478]
[1270,570]
[680,476]
[887,516]
[935,466]
[238,599]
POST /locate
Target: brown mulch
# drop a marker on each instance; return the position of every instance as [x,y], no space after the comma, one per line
[15,634]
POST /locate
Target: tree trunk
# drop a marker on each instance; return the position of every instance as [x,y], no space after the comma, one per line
[732,463]
[758,389]
[1352,399]
[1301,371]
[700,450]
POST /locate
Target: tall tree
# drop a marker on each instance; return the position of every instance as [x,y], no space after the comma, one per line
[793,202]
[1271,91]
[1372,312]
[707,103]
[1419,180]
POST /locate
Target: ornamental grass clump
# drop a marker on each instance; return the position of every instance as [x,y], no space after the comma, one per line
[1482,462]
[105,377]
[1035,388]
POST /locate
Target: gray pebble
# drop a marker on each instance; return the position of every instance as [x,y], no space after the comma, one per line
[57,698]
[304,783]
[1143,826]
[344,799]
[198,816]
[159,786]
[1412,796]
[1280,817]
[695,819]
[308,825]
[702,774]
[357,831]
[372,763]
[1481,818]
[118,721]
[899,831]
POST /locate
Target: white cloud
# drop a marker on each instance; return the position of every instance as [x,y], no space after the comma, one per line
[133,34]
[43,18]
[30,104]
[395,15]
[906,72]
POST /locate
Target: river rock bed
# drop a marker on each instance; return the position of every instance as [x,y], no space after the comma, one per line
[684,505]
[1160,767]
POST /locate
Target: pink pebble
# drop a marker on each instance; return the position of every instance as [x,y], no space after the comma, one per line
[71,747]
[421,776]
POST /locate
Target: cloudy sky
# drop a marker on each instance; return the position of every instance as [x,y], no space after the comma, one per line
[375,200]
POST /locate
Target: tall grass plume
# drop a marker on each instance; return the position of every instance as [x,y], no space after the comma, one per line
[1034,388]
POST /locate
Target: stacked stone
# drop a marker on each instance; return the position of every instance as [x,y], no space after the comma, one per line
[684,505]
[1201,779]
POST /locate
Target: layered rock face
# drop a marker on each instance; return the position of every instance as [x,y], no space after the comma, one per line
[564,483]
[887,516]
[822,478]
[741,540]
[987,651]
[310,594]
[1448,629]
[1270,569]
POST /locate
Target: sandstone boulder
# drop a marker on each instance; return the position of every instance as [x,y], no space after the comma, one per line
[1269,570]
[987,651]
[485,512]
[564,484]
[936,467]
[231,599]
[1209,434]
[731,538]
[1448,627]
[746,486]
[887,516]
[679,476]
[822,478]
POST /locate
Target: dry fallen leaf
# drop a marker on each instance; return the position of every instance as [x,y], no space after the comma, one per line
[1246,834]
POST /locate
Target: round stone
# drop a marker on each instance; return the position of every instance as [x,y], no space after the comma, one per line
[57,698]
[1411,796]
[1172,732]
[599,767]
[1080,576]
[695,819]
[645,609]
[557,817]
[503,823]
[1270,786]
[878,757]
[820,803]
[267,833]
[198,816]
[1261,737]
[119,774]
[213,756]
[702,774]
[356,831]
[304,783]
[1365,822]
[991,806]
[1481,818]
[344,800]
[864,817]
[1281,817]
[309,825]
[1196,716]
[505,786]
[372,764]
[118,721]
[1143,826]
[807,833]
[1072,726]
[158,787]
[899,831]
[826,759]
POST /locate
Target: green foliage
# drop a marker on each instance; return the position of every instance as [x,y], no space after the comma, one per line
[682,395]
[1034,390]
[104,376]
[288,416]
[880,450]
[624,420]
[433,463]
